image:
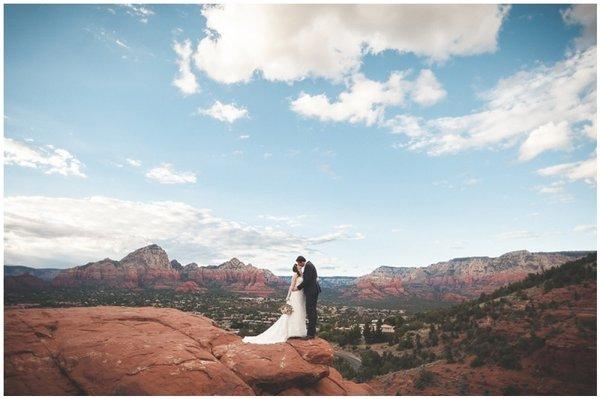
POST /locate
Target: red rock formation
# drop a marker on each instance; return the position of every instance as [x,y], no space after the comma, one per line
[235,276]
[457,279]
[149,267]
[146,267]
[451,281]
[152,351]
[189,286]
[22,283]
[332,385]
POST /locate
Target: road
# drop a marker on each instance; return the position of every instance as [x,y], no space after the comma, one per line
[351,358]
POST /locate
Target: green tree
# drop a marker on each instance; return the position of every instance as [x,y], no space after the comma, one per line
[368,333]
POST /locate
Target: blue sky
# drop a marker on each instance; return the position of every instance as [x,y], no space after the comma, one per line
[415,139]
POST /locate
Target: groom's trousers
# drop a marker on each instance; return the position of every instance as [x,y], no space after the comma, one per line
[311,313]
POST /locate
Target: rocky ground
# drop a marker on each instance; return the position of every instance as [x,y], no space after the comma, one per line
[109,350]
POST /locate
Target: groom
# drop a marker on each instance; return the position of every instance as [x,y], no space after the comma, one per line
[311,292]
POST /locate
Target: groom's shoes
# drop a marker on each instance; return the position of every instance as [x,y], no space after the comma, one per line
[308,337]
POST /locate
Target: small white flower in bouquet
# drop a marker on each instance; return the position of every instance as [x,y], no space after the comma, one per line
[286,308]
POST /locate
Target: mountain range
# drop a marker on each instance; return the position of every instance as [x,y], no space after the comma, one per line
[149,267]
[457,279]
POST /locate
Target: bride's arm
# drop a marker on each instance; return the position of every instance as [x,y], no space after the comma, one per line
[292,284]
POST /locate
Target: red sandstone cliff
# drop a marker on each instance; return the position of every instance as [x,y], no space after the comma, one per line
[24,282]
[457,279]
[453,281]
[146,267]
[236,276]
[149,267]
[153,351]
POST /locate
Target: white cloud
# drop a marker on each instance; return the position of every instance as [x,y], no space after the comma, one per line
[463,184]
[224,112]
[48,231]
[458,245]
[408,125]
[583,170]
[585,228]
[364,102]
[185,79]
[49,159]
[111,39]
[556,192]
[121,44]
[292,42]
[165,174]
[340,232]
[444,184]
[134,162]
[244,136]
[553,188]
[517,235]
[139,11]
[546,137]
[517,106]
[292,221]
[328,170]
[427,90]
[584,15]
[472,181]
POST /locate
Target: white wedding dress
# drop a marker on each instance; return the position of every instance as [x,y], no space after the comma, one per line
[292,325]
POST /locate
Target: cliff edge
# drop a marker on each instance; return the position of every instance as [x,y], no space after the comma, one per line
[110,350]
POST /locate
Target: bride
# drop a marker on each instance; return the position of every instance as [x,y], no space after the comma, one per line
[292,325]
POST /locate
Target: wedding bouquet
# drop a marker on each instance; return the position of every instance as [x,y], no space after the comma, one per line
[286,308]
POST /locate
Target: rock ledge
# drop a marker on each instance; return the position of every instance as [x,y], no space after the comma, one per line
[110,350]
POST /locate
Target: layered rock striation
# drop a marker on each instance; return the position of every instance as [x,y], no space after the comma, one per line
[457,279]
[451,281]
[235,276]
[149,267]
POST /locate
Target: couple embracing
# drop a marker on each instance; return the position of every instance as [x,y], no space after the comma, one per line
[302,297]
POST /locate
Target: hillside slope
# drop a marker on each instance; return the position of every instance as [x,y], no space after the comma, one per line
[533,337]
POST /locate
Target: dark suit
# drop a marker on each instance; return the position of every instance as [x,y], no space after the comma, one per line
[311,288]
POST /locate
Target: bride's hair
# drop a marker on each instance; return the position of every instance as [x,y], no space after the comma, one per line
[295,269]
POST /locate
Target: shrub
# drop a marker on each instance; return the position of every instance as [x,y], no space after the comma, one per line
[477,362]
[510,391]
[531,344]
[425,378]
[463,386]
[509,360]
[448,354]
[522,295]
